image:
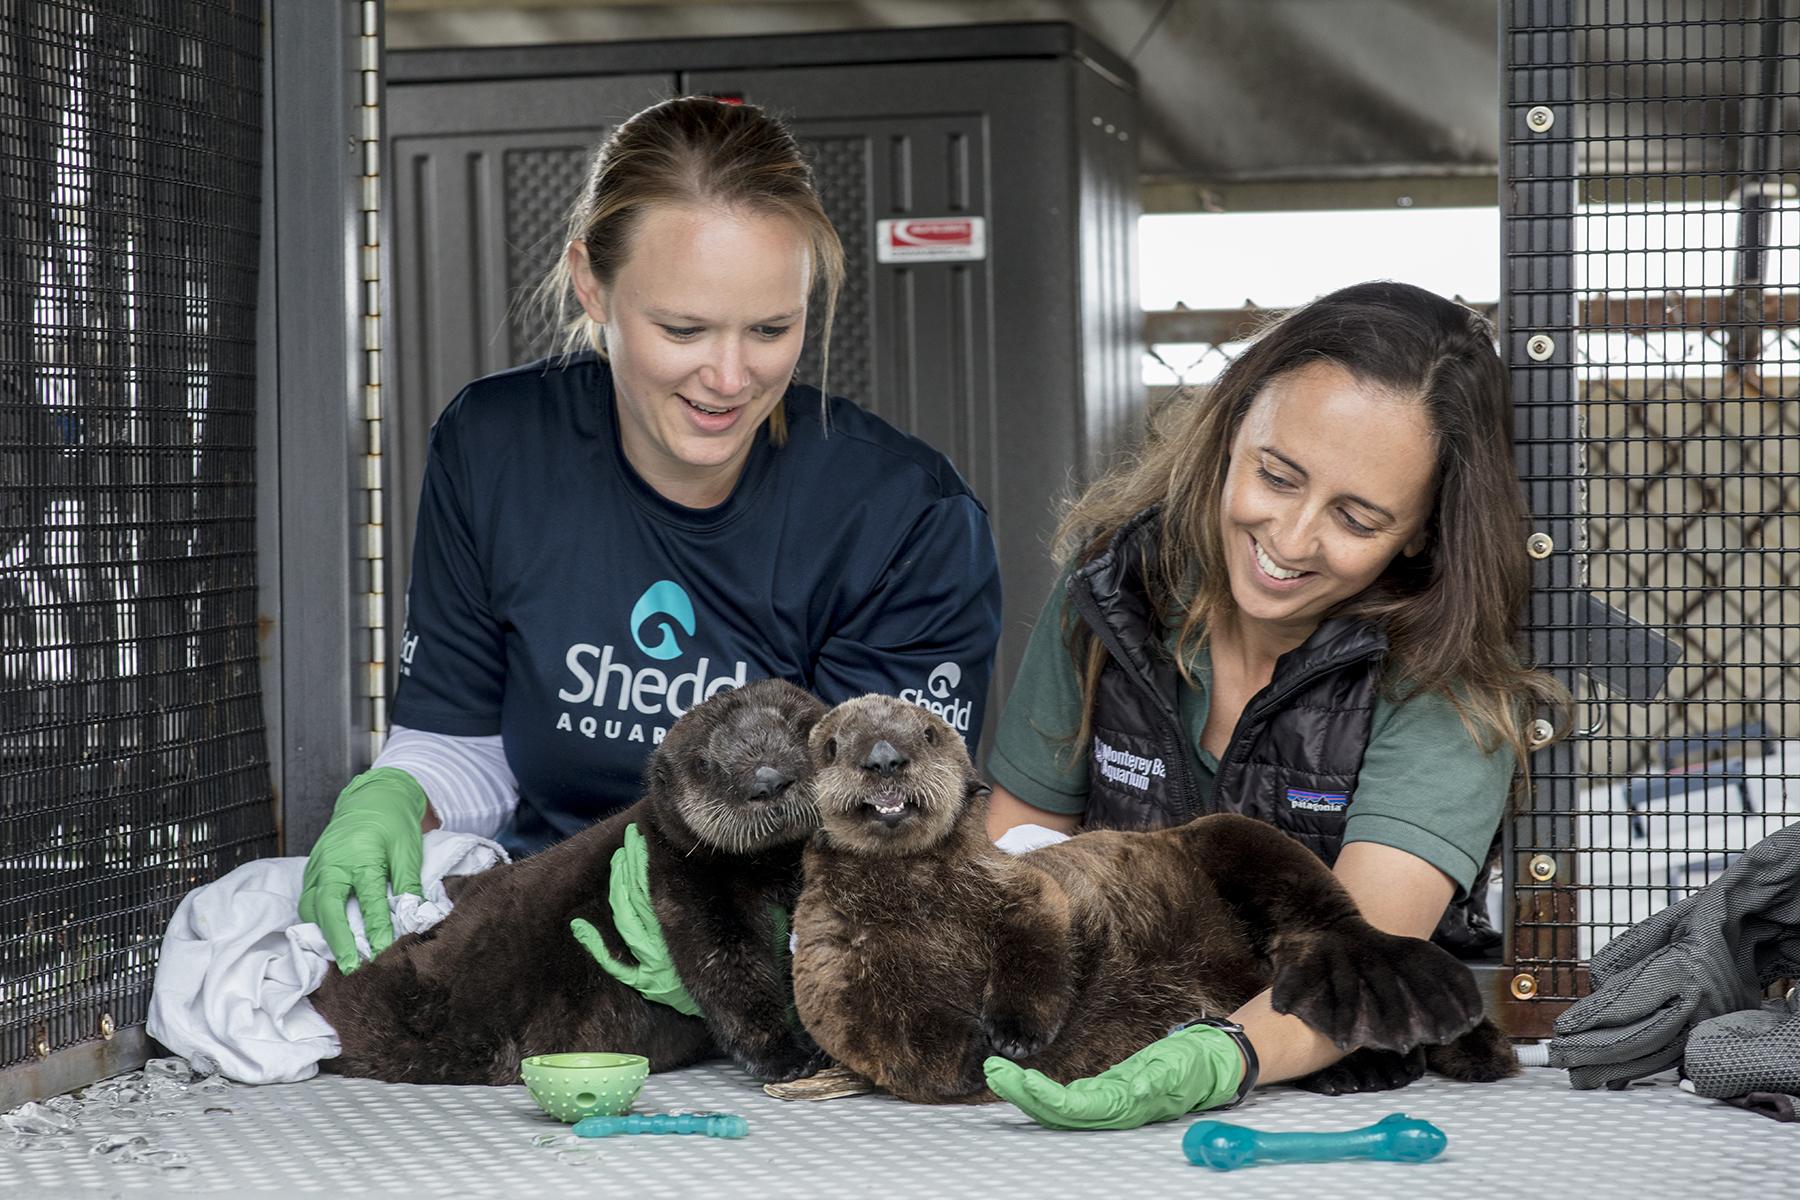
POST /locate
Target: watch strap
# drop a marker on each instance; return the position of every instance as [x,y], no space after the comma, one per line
[1252,1068]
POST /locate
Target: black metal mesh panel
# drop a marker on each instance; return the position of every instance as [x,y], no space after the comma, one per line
[841,174]
[1653,277]
[132,757]
[541,184]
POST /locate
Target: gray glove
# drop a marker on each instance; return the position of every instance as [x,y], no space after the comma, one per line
[1744,1052]
[1711,953]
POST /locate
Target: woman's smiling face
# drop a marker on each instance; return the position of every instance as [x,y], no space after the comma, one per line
[1330,478]
[703,325]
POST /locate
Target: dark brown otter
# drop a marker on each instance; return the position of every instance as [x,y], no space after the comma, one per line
[727,807]
[922,949]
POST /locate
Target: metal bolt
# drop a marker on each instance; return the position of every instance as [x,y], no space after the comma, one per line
[1540,545]
[107,1028]
[1539,119]
[1524,987]
[1543,868]
[1541,732]
[1540,346]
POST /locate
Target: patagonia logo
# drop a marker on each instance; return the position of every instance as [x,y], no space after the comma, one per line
[1331,802]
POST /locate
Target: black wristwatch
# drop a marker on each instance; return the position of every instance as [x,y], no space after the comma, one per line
[1236,1032]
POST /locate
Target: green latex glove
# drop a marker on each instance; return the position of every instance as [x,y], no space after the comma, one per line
[628,895]
[1185,1072]
[374,836]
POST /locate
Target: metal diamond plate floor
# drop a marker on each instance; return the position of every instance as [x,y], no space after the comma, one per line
[332,1136]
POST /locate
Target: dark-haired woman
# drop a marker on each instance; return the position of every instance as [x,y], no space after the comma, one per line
[1298,603]
[612,535]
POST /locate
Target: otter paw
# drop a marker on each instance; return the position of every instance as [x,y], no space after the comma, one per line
[1013,1036]
[1365,988]
[1366,1071]
[1481,1055]
[786,1063]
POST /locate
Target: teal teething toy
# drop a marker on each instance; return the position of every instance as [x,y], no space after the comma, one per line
[1395,1138]
[719,1125]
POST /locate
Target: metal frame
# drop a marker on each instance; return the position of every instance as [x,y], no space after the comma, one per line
[971,43]
[1664,498]
[1537,225]
[75,1067]
[310,422]
[1474,189]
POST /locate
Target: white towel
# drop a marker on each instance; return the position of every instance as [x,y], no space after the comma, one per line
[237,963]
[1023,839]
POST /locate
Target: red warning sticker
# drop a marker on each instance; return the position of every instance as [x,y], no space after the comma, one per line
[931,239]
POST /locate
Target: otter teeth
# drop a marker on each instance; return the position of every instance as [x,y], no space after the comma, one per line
[888,809]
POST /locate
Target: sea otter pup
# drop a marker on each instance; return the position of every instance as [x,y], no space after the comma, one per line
[922,949]
[727,807]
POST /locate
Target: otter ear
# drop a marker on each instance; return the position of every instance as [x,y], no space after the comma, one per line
[808,709]
[822,742]
[805,720]
[659,773]
[975,790]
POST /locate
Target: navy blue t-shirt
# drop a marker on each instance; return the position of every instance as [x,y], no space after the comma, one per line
[558,600]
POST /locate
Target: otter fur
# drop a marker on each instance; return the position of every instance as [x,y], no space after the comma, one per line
[727,807]
[922,949]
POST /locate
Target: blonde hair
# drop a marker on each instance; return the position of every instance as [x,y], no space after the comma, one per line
[691,150]
[1450,612]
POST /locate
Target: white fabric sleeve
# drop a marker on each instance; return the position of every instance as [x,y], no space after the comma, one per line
[466,779]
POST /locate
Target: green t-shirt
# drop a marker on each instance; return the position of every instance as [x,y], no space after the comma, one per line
[1425,787]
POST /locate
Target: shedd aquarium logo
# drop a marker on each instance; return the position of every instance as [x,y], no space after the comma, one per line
[666,600]
[638,704]
[937,696]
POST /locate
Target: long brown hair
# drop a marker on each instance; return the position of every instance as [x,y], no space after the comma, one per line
[1451,611]
[691,150]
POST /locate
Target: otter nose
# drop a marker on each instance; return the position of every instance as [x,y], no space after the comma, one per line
[883,759]
[768,782]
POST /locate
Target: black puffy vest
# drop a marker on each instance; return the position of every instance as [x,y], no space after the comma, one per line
[1294,757]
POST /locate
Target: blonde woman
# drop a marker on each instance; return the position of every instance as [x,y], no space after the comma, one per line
[610,536]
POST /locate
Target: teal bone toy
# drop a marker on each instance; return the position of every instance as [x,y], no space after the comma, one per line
[1395,1138]
[719,1125]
